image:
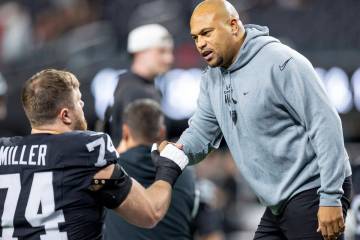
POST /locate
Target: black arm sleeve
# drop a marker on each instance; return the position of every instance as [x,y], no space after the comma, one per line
[114,190]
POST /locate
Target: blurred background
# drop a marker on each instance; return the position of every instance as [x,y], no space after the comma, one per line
[88,37]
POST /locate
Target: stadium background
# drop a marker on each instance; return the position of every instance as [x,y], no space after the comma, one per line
[87,36]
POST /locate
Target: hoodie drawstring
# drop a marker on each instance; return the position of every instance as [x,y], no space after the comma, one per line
[229,98]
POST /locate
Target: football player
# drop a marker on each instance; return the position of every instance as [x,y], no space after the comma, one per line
[55,182]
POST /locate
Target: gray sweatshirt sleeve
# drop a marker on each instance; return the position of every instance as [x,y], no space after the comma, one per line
[306,100]
[204,133]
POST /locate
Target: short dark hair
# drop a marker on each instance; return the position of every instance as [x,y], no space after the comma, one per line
[45,93]
[145,119]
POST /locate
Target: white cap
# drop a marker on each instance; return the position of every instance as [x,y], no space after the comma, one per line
[149,36]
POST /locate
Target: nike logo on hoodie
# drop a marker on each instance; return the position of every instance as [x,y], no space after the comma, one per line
[282,67]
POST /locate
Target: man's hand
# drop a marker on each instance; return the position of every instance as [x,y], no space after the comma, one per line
[164,143]
[331,222]
[172,151]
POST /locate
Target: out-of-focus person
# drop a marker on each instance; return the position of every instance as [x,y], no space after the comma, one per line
[3,91]
[151,49]
[208,222]
[143,124]
[15,31]
[4,132]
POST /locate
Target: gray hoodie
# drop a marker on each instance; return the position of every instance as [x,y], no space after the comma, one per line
[277,120]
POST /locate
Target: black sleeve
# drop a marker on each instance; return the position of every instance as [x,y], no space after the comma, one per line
[96,151]
[125,94]
[114,190]
[116,115]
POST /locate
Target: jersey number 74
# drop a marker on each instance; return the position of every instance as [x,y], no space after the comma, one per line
[41,197]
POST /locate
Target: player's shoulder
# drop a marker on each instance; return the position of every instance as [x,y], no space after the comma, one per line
[89,146]
[83,135]
[82,139]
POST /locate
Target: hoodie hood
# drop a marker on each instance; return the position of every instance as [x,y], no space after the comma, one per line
[256,38]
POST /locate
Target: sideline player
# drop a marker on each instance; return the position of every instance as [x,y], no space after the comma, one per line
[149,59]
[143,124]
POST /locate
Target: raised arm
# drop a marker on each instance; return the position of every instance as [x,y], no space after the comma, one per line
[204,133]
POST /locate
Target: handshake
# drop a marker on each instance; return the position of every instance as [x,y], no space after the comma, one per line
[169,161]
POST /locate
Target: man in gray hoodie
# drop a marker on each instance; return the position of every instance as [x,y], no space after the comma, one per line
[266,100]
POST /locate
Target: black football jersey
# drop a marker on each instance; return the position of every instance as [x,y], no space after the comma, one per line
[44,185]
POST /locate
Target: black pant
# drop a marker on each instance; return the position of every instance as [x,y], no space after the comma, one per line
[299,217]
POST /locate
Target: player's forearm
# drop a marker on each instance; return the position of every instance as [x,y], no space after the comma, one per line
[146,207]
[141,207]
[159,196]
